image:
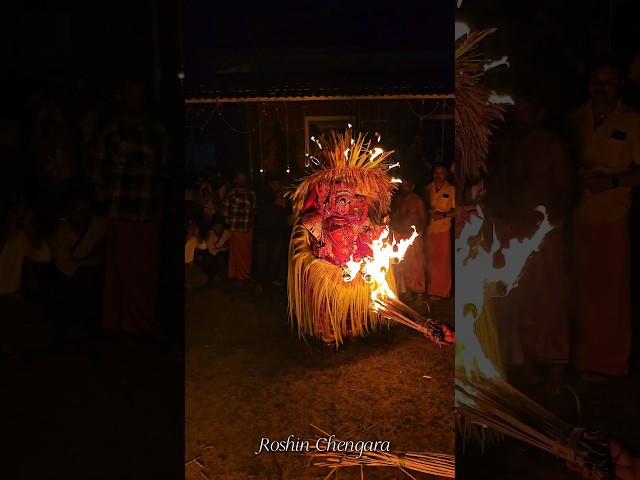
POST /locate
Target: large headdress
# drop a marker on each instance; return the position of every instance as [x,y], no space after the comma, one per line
[352,162]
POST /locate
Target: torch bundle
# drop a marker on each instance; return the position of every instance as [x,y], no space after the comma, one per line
[493,403]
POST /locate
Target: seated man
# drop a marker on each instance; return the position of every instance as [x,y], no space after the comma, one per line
[217,255]
[23,327]
[78,245]
[18,241]
[192,242]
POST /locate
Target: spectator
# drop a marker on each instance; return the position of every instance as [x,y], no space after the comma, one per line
[192,242]
[239,211]
[130,162]
[217,255]
[441,196]
[19,240]
[532,169]
[78,244]
[607,140]
[208,203]
[271,225]
[409,211]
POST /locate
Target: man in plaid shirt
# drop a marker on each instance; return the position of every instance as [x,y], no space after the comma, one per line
[130,161]
[239,210]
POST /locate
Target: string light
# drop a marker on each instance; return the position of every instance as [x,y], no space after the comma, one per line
[286,129]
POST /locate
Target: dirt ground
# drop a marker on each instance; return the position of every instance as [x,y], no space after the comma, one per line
[90,407]
[249,376]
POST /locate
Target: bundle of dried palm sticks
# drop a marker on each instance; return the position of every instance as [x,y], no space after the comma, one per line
[436,464]
[493,403]
[397,311]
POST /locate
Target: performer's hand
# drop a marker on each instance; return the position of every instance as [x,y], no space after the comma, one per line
[599,182]
[449,333]
[626,464]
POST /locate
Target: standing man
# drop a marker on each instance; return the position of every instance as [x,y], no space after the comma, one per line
[607,136]
[271,224]
[410,211]
[531,169]
[130,162]
[441,196]
[239,210]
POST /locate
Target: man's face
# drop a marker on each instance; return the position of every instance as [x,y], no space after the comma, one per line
[525,115]
[440,174]
[275,185]
[406,187]
[241,180]
[79,214]
[218,228]
[605,84]
[133,98]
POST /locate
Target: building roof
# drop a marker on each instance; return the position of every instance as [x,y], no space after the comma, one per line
[278,76]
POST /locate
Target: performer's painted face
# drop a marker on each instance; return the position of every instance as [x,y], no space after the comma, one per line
[358,209]
[342,194]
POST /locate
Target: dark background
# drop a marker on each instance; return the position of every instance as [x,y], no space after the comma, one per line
[80,411]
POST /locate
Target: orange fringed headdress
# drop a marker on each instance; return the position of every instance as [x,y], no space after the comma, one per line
[354,160]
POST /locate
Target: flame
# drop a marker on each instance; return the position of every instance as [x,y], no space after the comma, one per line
[479,276]
[374,269]
[494,98]
[496,63]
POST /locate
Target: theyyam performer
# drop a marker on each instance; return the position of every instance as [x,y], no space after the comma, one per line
[340,209]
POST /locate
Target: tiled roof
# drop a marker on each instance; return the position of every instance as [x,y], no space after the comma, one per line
[407,77]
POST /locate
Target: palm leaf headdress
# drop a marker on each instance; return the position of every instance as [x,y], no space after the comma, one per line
[354,160]
[474,116]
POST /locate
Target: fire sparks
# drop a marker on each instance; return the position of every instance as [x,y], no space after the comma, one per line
[376,152]
[503,61]
[495,99]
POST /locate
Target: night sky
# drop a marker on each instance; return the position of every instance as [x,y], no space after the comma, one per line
[227,25]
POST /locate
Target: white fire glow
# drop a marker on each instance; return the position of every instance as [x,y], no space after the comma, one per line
[462,29]
[478,277]
[376,152]
[494,99]
[496,63]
